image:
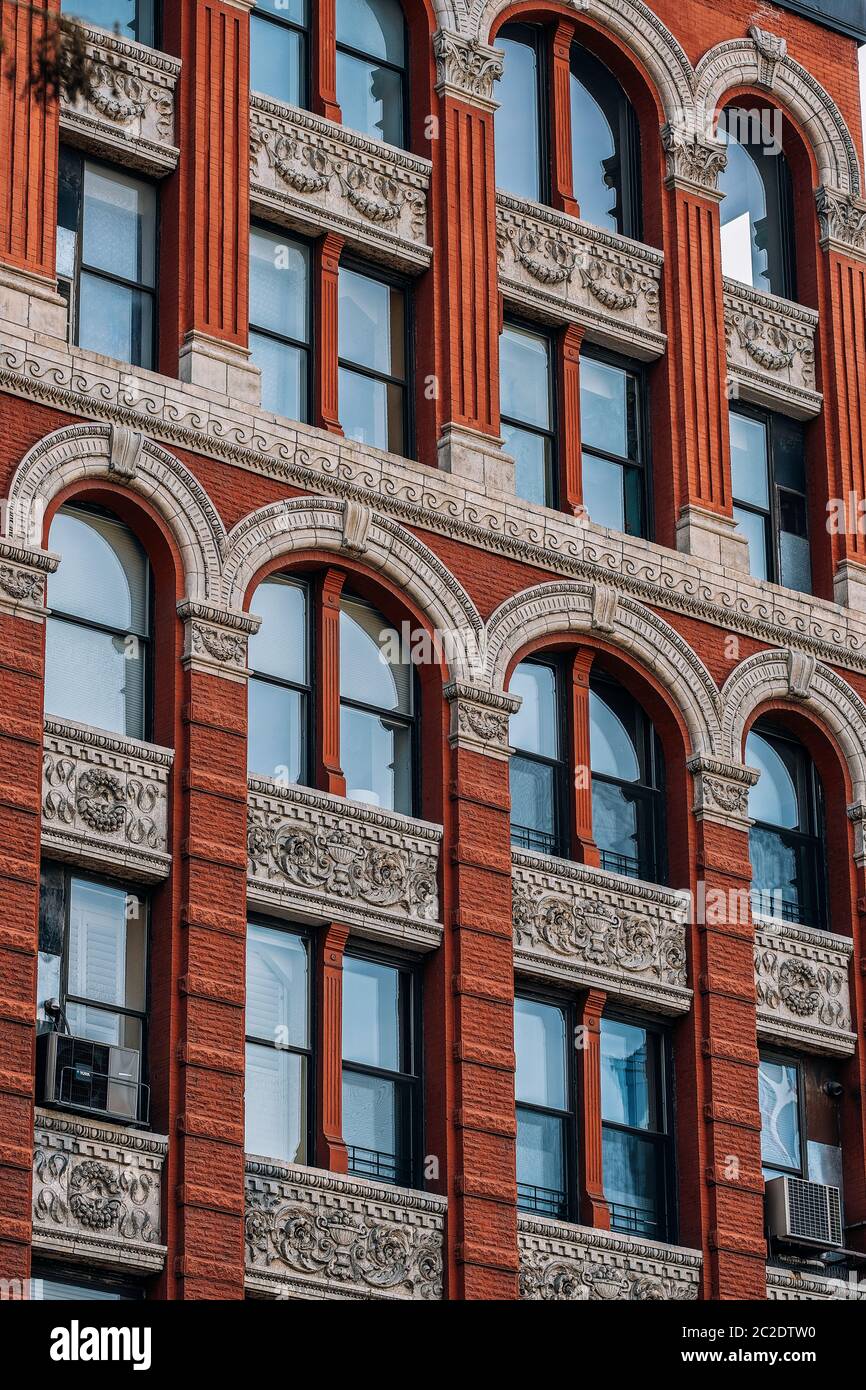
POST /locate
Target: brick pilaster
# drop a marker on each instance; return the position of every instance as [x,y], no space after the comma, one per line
[561,172]
[324,59]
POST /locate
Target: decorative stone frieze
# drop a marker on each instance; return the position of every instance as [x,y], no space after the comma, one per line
[842,220]
[466,69]
[324,857]
[97,1192]
[561,1262]
[104,800]
[319,176]
[128,116]
[801,982]
[215,639]
[771,350]
[722,791]
[571,272]
[585,926]
[693,162]
[790,1286]
[24,571]
[479,719]
[313,1234]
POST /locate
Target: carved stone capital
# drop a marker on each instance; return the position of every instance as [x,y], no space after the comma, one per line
[215,639]
[842,219]
[857,816]
[693,162]
[479,719]
[466,69]
[24,570]
[722,791]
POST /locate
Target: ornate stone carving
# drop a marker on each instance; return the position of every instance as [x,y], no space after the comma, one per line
[605,603]
[693,162]
[357,520]
[308,172]
[125,451]
[791,1286]
[129,114]
[556,264]
[310,850]
[565,1263]
[104,800]
[801,981]
[216,639]
[771,51]
[842,219]
[771,350]
[97,1191]
[589,927]
[801,674]
[466,69]
[311,1234]
[479,719]
[23,574]
[722,791]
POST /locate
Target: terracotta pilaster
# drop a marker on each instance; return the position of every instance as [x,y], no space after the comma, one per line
[330,1146]
[329,773]
[328,252]
[594,1210]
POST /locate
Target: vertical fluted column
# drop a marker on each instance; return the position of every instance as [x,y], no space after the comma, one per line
[568,368]
[324,64]
[329,773]
[330,1145]
[594,1210]
[561,173]
[583,846]
[205,208]
[328,252]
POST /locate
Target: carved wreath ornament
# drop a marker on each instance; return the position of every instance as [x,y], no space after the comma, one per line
[94,1195]
[101,801]
[804,989]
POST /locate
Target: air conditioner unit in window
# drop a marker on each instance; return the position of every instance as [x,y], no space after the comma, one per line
[804,1213]
[91,1076]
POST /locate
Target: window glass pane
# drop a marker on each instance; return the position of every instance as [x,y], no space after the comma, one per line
[780,1114]
[533,479]
[106,952]
[279,277]
[374,27]
[115,321]
[370,98]
[612,747]
[275,732]
[795,568]
[754,528]
[533,805]
[108,14]
[604,492]
[119,224]
[629,1075]
[607,408]
[540,1161]
[277,987]
[113,1030]
[631,1182]
[275,1103]
[366,672]
[743,214]
[371,323]
[278,59]
[595,161]
[749,460]
[94,678]
[376,758]
[617,820]
[371,1013]
[773,799]
[370,1116]
[524,366]
[65,1290]
[285,388]
[103,571]
[776,875]
[535,726]
[279,648]
[539,1042]
[295,11]
[516,123]
[372,411]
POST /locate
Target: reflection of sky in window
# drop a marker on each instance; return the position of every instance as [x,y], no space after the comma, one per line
[592,145]
[744,205]
[773,799]
[780,1127]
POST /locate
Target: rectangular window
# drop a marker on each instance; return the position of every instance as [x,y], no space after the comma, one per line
[279,50]
[133,19]
[279,1050]
[106,258]
[92,986]
[373,352]
[371,63]
[613,450]
[380,1069]
[280,321]
[768,478]
[544,1091]
[636,1149]
[279,699]
[527,408]
[536,774]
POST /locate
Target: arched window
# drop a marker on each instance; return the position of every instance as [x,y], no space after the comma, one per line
[279,50]
[786,842]
[133,19]
[377,711]
[604,147]
[538,765]
[627,781]
[98,631]
[757,214]
[278,701]
[519,125]
[371,68]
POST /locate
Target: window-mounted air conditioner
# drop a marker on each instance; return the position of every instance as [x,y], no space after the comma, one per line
[91,1076]
[804,1213]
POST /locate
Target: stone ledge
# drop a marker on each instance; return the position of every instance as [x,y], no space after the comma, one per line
[787,1286]
[560,1262]
[771,350]
[801,982]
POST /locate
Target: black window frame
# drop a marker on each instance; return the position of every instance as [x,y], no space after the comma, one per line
[404,72]
[628,209]
[404,285]
[308,691]
[561,840]
[306,32]
[536,36]
[813,842]
[71,288]
[307,933]
[773,422]
[569,1207]
[147,642]
[641,466]
[86,1276]
[284,339]
[650,756]
[665,1138]
[407,1171]
[553,487]
[155,20]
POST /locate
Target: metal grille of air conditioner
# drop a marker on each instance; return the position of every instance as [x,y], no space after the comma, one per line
[814,1212]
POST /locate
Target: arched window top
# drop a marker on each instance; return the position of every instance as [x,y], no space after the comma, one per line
[371,59]
[786,840]
[757,209]
[604,147]
[375,28]
[774,799]
[612,743]
[368,672]
[518,122]
[102,575]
